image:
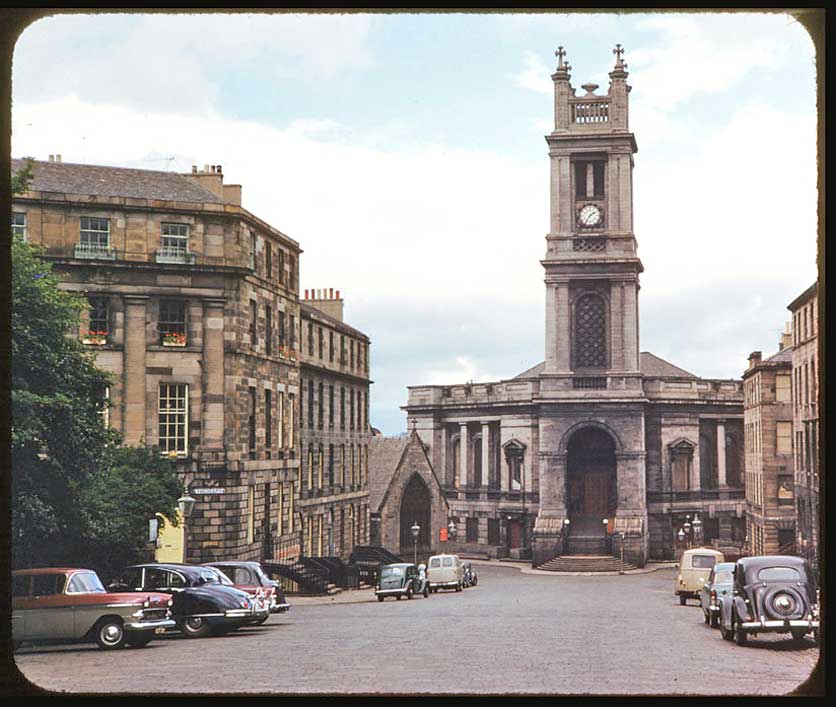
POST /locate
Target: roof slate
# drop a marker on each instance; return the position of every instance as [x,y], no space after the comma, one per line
[98,180]
[650,365]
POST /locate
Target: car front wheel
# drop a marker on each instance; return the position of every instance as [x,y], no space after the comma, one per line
[409,593]
[682,599]
[706,617]
[195,627]
[110,634]
[380,597]
[725,633]
[714,620]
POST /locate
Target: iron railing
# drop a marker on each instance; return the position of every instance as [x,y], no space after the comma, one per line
[94,251]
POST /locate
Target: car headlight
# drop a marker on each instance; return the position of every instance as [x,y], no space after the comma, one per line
[146,603]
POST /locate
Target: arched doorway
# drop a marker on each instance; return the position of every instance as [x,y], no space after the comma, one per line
[415,508]
[591,490]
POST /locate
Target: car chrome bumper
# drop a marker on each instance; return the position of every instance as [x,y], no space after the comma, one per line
[778,625]
[279,608]
[443,585]
[389,592]
[245,613]
[149,625]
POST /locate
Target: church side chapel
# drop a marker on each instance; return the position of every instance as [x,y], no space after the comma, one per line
[600,449]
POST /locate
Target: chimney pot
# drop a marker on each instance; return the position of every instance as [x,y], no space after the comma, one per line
[338,294]
[194,169]
[331,295]
[219,170]
[306,294]
[52,158]
[206,169]
[57,158]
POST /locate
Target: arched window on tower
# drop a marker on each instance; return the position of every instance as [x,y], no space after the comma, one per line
[590,332]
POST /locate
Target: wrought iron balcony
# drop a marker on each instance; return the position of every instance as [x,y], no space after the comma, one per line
[94,251]
[169,254]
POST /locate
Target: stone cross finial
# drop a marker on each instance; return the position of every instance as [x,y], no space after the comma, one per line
[618,51]
[560,53]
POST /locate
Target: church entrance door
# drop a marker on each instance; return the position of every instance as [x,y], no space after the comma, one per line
[595,493]
[591,478]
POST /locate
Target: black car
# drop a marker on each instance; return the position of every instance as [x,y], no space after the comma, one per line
[201,605]
[770,594]
[250,577]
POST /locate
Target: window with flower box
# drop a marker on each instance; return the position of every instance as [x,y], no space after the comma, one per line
[98,326]
[173,418]
[171,323]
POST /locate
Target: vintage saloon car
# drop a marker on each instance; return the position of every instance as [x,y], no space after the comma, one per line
[250,577]
[400,580]
[202,606]
[71,604]
[770,594]
[719,584]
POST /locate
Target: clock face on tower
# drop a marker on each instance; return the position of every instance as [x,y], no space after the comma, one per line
[590,215]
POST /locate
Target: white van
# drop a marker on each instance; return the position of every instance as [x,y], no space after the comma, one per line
[445,572]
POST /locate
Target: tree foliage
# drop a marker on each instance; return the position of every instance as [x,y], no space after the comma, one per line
[62,453]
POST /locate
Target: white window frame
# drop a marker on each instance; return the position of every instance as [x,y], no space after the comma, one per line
[180,409]
[176,241]
[19,228]
[90,236]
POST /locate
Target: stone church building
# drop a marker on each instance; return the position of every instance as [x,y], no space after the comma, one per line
[601,443]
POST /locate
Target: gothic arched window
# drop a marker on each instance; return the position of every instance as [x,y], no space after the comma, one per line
[590,340]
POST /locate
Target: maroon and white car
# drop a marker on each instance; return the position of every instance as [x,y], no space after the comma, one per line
[71,604]
[250,577]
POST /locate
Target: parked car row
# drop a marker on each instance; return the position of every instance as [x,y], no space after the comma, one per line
[405,579]
[142,602]
[760,594]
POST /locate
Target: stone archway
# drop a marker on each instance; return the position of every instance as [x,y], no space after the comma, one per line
[591,478]
[416,506]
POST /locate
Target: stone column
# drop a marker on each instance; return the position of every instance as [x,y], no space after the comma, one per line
[213,374]
[134,373]
[486,453]
[563,325]
[616,330]
[721,453]
[695,472]
[505,473]
[462,455]
[551,328]
[631,328]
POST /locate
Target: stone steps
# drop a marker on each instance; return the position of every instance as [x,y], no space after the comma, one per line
[585,563]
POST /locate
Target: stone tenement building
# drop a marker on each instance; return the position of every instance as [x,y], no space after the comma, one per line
[334,429]
[599,431]
[805,389]
[767,439]
[194,309]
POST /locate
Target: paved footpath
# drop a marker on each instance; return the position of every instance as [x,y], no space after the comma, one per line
[516,632]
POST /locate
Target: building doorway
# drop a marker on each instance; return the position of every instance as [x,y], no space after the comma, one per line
[514,534]
[415,508]
[591,490]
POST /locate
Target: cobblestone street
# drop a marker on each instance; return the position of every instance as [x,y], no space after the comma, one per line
[514,632]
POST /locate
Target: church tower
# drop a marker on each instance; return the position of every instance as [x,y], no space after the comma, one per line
[590,401]
[591,266]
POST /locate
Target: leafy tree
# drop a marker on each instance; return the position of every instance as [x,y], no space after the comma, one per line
[62,453]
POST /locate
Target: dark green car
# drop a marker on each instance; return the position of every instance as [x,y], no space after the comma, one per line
[401,580]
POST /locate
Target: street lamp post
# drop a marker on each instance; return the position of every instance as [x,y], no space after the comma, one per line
[415,530]
[621,565]
[697,530]
[185,504]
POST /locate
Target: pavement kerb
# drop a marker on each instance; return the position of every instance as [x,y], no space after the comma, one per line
[362,596]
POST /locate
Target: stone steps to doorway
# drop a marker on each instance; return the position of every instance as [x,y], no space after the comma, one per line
[585,563]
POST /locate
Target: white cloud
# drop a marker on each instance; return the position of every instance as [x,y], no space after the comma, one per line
[172,62]
[535,75]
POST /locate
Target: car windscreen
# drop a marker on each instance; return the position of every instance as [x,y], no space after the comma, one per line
[391,572]
[446,561]
[84,583]
[703,561]
[779,574]
[724,577]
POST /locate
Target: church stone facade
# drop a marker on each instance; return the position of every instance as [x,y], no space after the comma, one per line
[600,445]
